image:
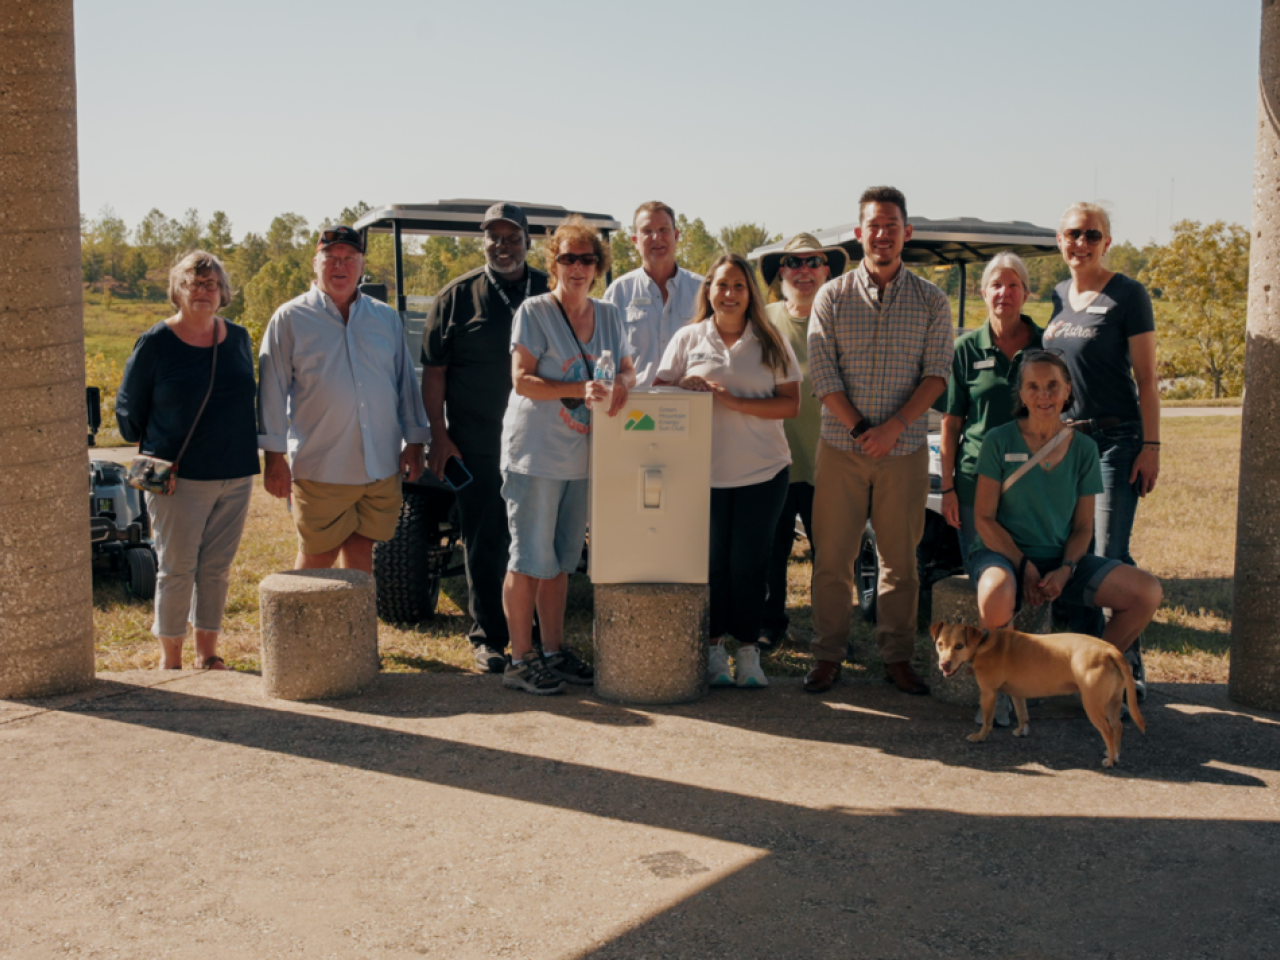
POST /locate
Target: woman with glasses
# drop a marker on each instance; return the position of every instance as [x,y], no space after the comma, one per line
[197,527]
[730,349]
[556,340]
[1103,326]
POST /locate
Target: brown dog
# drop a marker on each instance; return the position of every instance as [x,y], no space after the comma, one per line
[1029,665]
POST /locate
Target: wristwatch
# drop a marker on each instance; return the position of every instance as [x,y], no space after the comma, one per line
[1071,565]
[860,428]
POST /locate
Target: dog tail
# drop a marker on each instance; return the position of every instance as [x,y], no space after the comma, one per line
[1131,689]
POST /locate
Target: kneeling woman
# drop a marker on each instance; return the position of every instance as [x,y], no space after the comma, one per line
[732,350]
[1037,481]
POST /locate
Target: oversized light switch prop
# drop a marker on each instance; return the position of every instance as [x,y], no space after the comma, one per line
[651,489]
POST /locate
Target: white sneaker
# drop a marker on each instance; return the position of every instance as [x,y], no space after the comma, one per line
[1003,703]
[718,666]
[746,668]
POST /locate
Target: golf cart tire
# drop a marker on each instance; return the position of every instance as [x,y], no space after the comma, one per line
[406,594]
[866,575]
[140,573]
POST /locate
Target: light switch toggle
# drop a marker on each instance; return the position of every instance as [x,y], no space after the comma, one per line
[652,489]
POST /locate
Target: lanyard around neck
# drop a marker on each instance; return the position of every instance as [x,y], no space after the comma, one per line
[497,285]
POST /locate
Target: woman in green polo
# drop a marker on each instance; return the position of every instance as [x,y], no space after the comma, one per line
[981,395]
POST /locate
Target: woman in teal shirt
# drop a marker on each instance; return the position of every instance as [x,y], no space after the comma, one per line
[1035,528]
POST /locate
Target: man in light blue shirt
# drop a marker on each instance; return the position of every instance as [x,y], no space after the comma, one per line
[338,395]
[659,298]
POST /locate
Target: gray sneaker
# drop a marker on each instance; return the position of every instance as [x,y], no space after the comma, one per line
[532,676]
[1134,656]
[489,659]
[568,666]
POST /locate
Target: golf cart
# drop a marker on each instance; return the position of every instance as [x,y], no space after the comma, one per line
[119,526]
[937,243]
[408,569]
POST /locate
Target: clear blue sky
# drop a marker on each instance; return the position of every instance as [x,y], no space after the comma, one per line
[776,113]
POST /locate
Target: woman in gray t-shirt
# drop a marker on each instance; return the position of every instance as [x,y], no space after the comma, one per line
[555,342]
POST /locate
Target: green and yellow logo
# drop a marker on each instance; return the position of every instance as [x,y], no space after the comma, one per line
[639,420]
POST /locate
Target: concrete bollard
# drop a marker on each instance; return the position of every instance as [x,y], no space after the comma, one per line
[955,600]
[651,642]
[319,634]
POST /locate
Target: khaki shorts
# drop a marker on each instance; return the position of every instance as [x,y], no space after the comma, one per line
[327,514]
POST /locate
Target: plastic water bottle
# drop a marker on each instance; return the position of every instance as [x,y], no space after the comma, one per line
[606,370]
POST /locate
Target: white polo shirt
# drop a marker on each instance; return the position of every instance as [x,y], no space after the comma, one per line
[744,449]
[650,323]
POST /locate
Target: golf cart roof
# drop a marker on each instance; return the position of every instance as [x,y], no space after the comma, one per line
[940,242]
[461,218]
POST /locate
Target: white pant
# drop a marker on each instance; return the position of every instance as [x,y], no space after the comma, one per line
[197,531]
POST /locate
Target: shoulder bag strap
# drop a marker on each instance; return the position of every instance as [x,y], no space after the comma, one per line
[582,352]
[203,403]
[1036,458]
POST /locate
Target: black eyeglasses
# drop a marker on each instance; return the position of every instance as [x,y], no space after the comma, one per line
[813,263]
[1091,236]
[569,259]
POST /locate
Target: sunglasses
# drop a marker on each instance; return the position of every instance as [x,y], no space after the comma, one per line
[569,259]
[572,403]
[1090,236]
[813,263]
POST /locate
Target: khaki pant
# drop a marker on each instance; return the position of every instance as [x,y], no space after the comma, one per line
[892,491]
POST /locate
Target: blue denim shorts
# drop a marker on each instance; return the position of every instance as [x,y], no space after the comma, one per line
[1081,589]
[548,524]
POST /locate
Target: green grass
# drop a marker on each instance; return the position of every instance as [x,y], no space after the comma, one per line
[112,330]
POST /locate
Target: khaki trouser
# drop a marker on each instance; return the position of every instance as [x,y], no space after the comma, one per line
[892,490]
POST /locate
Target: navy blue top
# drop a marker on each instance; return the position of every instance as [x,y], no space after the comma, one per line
[1095,345]
[164,382]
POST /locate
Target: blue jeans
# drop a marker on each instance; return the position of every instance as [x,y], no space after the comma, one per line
[1114,511]
[548,523]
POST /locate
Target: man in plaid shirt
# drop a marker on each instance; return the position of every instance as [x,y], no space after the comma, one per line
[880,349]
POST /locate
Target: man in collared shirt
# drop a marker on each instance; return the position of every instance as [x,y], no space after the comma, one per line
[337,394]
[657,299]
[880,350]
[466,381]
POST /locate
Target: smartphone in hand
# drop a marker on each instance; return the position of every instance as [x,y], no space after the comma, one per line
[456,475]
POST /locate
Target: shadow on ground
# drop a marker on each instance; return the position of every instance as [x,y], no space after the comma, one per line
[844,881]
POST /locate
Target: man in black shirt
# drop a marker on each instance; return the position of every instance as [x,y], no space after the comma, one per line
[466,380]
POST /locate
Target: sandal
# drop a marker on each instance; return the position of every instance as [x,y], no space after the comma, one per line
[212,663]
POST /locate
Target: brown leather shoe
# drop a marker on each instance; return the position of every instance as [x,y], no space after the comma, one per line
[905,678]
[822,677]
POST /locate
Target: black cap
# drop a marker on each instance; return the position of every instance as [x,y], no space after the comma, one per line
[505,211]
[340,235]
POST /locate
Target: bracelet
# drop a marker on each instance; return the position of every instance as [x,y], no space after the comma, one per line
[948,490]
[902,420]
[1151,443]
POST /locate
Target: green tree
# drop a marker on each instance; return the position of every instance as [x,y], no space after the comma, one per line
[278,282]
[157,236]
[625,255]
[284,234]
[697,247]
[1203,275]
[135,273]
[217,237]
[190,231]
[1127,259]
[742,238]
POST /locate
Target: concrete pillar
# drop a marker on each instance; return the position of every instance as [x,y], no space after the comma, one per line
[46,589]
[651,642]
[319,634]
[1255,630]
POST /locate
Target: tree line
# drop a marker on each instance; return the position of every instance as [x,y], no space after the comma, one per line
[1201,274]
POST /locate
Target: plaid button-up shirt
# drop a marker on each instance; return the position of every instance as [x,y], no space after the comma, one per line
[876,346]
